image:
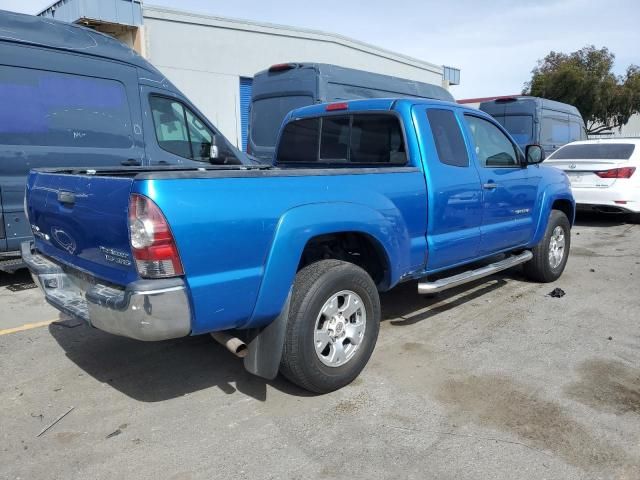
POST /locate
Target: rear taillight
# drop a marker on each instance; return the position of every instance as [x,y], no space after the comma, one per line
[152,243]
[624,172]
[281,67]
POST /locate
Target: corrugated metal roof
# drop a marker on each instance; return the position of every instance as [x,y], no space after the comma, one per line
[121,12]
[17,27]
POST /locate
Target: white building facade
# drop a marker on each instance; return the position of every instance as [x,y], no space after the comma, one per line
[213,59]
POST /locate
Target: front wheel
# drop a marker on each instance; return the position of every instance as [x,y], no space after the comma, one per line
[333,326]
[551,254]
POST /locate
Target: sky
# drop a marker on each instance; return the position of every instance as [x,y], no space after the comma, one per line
[495,43]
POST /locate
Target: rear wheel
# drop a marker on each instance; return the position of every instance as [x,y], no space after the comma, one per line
[551,254]
[333,326]
[634,218]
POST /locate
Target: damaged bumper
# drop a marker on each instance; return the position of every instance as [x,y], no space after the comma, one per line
[145,310]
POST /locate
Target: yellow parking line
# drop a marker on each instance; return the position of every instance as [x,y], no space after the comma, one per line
[26,326]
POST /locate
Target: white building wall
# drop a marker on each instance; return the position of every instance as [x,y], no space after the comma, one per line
[206,56]
[631,128]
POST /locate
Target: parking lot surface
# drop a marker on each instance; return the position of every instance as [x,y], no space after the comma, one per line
[491,380]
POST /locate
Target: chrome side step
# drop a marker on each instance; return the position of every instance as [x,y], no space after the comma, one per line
[471,275]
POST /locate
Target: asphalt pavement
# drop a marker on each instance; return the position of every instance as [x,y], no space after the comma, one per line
[493,380]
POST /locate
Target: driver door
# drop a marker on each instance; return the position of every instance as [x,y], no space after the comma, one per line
[509,189]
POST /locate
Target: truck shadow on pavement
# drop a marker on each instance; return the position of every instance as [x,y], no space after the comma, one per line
[158,371]
[596,219]
[403,306]
[21,277]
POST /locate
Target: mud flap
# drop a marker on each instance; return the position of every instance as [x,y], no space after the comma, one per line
[266,344]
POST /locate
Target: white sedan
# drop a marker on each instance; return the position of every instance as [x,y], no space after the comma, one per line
[604,174]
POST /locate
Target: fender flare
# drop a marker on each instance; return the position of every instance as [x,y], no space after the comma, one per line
[298,225]
[553,192]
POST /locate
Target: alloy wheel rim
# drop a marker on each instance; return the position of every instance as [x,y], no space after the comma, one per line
[339,328]
[556,247]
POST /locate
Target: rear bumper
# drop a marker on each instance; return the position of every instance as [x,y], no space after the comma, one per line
[145,310]
[607,197]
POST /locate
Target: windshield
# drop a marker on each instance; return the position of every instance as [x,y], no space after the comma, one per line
[267,115]
[519,126]
[595,151]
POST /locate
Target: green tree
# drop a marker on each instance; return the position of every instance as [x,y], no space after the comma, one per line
[585,79]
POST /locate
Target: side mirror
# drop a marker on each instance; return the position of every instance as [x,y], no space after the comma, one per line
[214,153]
[534,154]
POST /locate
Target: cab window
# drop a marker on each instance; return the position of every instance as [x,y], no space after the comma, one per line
[448,138]
[493,148]
[359,139]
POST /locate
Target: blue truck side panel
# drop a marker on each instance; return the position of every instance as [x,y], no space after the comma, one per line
[245,251]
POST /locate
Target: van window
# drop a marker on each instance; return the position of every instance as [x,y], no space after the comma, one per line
[448,138]
[576,131]
[554,131]
[57,109]
[493,148]
[353,139]
[183,133]
[171,126]
[200,137]
[520,127]
[267,115]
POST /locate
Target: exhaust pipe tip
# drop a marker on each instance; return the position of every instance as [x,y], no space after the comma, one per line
[231,343]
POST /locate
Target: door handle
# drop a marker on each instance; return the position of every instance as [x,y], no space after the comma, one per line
[490,186]
[66,198]
[131,162]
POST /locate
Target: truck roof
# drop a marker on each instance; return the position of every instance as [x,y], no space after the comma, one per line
[46,32]
[377,104]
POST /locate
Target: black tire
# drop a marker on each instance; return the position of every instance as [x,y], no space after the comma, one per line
[634,218]
[539,268]
[314,286]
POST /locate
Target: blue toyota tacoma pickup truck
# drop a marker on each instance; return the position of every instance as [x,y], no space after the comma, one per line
[284,263]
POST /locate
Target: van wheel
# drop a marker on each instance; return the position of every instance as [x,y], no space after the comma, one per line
[333,326]
[551,254]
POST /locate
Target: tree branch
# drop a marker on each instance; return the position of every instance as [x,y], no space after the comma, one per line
[604,128]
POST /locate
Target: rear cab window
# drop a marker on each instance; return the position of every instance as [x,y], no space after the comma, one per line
[367,139]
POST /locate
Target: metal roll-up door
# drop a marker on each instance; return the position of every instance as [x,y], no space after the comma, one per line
[245,101]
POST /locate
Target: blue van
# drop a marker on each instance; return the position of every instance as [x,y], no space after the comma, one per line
[73,97]
[537,120]
[287,86]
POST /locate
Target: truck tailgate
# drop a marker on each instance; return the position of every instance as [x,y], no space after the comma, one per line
[82,221]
